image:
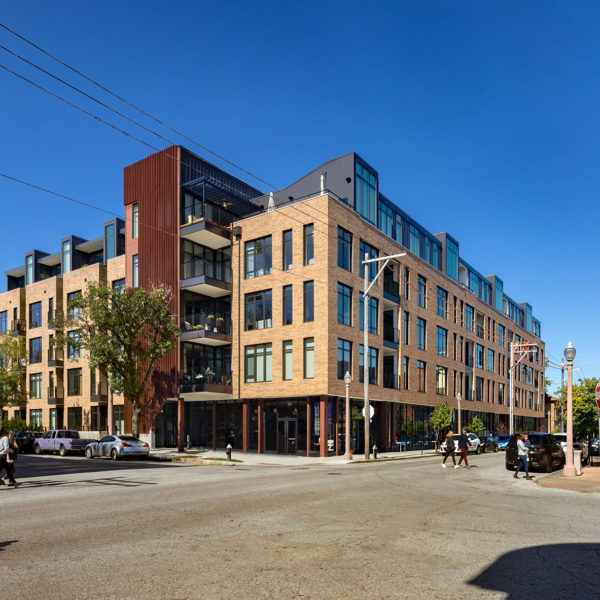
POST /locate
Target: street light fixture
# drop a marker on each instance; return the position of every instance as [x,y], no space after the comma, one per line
[569,468]
[348,381]
[458,399]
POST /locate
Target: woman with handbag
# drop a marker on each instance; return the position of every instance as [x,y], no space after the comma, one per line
[7,456]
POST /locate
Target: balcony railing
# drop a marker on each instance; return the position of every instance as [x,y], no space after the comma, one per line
[196,380]
[208,323]
[202,267]
[97,390]
[391,287]
[390,381]
[17,327]
[55,393]
[54,357]
[52,315]
[390,334]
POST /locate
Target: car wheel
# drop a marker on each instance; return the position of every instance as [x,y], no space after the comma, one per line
[478,451]
[495,448]
[114,454]
[509,467]
[549,463]
[62,450]
[37,449]
[89,453]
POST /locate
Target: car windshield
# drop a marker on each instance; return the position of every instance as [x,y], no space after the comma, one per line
[537,440]
[504,438]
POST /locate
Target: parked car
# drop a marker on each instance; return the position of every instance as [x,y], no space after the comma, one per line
[594,447]
[544,452]
[117,446]
[502,441]
[474,447]
[61,441]
[26,440]
[489,443]
[561,438]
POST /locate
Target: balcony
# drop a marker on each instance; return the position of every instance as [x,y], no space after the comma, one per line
[207,278]
[52,315]
[55,358]
[56,394]
[205,233]
[390,337]
[17,327]
[391,288]
[98,392]
[202,381]
[208,331]
[390,381]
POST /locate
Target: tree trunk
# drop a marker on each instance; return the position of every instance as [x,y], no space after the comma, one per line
[135,419]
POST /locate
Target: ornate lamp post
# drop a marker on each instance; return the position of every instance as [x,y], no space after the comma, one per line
[348,381]
[569,468]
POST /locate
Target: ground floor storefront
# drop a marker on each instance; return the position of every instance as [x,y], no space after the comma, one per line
[313,426]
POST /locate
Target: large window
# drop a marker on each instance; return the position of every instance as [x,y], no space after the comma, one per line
[344,358]
[405,372]
[197,261]
[451,259]
[479,389]
[414,243]
[366,193]
[441,341]
[309,301]
[442,302]
[74,347]
[35,417]
[501,335]
[372,364]
[74,418]
[135,279]
[421,334]
[35,315]
[468,317]
[73,311]
[35,385]
[259,363]
[422,290]
[258,254]
[3,322]
[118,285]
[405,327]
[479,356]
[309,244]
[35,350]
[344,304]
[309,358]
[74,382]
[421,375]
[29,269]
[287,360]
[134,220]
[372,252]
[258,310]
[406,283]
[344,249]
[287,250]
[490,360]
[66,256]
[441,380]
[373,311]
[386,219]
[288,308]
[109,241]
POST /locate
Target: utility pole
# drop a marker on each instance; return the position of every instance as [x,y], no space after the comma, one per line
[562,404]
[368,286]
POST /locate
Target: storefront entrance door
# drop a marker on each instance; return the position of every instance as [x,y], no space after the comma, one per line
[286,436]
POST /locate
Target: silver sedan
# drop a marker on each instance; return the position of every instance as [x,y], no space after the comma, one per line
[117,446]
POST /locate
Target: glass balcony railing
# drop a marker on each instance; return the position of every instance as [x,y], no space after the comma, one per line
[203,267]
[218,324]
[195,380]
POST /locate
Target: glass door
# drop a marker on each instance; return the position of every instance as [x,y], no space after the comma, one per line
[286,436]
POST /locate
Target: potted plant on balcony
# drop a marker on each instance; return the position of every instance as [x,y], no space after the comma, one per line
[197,327]
[220,324]
[210,321]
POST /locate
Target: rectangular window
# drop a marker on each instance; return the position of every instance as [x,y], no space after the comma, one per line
[501,335]
[309,358]
[74,312]
[35,315]
[3,322]
[75,418]
[344,304]
[118,285]
[386,219]
[35,385]
[442,302]
[74,382]
[287,305]
[287,360]
[35,350]
[490,360]
[309,244]
[109,241]
[479,322]
[406,283]
[421,333]
[134,271]
[258,363]
[373,313]
[468,317]
[441,340]
[258,310]
[134,220]
[309,301]
[344,358]
[258,257]
[372,252]
[66,257]
[73,347]
[414,240]
[479,389]
[441,381]
[405,331]
[29,269]
[421,374]
[287,250]
[405,371]
[451,259]
[479,356]
[421,290]
[344,249]
[372,366]
[366,193]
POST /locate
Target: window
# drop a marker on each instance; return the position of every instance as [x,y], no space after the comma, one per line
[66,256]
[372,366]
[386,219]
[406,283]
[405,332]
[134,220]
[74,418]
[366,193]
[258,311]
[3,322]
[35,417]
[35,350]
[287,305]
[344,304]
[373,313]
[479,356]
[344,249]
[109,241]
[441,341]
[287,250]
[258,256]
[490,361]
[421,333]
[468,317]
[309,244]
[414,243]
[500,393]
[73,347]
[134,271]
[451,259]
[35,315]
[441,381]
[501,335]
[372,252]
[421,373]
[309,358]
[479,328]
[74,382]
[287,360]
[118,285]
[422,290]
[479,389]
[73,311]
[442,302]
[344,358]
[259,363]
[405,371]
[35,385]
[309,301]
[29,269]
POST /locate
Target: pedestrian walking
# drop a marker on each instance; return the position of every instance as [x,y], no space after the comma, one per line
[463,444]
[7,463]
[522,443]
[450,447]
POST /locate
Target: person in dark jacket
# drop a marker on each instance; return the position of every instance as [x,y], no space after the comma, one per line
[463,444]
[450,447]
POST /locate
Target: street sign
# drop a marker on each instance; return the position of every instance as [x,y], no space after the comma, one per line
[371,412]
[598,396]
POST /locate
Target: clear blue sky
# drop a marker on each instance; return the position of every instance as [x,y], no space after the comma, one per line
[481,118]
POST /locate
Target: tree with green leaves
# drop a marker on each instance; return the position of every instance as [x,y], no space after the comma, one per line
[585,409]
[441,418]
[475,426]
[126,332]
[13,365]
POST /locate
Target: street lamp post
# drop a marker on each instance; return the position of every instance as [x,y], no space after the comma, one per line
[458,399]
[348,381]
[569,468]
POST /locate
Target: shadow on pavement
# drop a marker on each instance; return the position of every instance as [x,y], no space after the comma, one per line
[552,572]
[8,543]
[118,481]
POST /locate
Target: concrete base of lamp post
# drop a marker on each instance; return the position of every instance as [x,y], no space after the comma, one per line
[569,471]
[348,456]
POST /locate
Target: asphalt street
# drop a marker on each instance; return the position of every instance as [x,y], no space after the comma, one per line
[79,529]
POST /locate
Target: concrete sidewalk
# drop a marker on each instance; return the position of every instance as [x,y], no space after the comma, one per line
[587,483]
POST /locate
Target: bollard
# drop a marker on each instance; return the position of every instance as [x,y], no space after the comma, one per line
[189,442]
[228,451]
[375,451]
[577,460]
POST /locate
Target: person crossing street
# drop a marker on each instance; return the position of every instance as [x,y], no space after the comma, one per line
[463,445]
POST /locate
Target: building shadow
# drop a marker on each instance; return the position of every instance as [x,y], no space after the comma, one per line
[3,545]
[551,572]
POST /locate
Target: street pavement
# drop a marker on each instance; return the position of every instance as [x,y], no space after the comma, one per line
[271,527]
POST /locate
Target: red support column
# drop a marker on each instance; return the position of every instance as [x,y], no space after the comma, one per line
[245,426]
[214,425]
[337,425]
[261,426]
[180,425]
[324,425]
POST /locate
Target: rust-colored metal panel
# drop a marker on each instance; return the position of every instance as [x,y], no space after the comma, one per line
[154,184]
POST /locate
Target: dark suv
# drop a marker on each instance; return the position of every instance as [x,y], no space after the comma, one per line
[544,452]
